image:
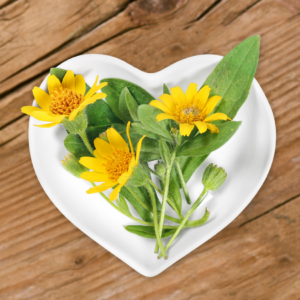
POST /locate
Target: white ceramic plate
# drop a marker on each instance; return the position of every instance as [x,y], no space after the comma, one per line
[247,158]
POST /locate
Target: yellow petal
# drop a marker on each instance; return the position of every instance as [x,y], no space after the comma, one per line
[28,110]
[46,125]
[94,176]
[84,104]
[42,98]
[202,96]
[97,154]
[161,106]
[53,84]
[95,88]
[69,81]
[116,140]
[114,194]
[124,177]
[129,139]
[178,94]
[103,147]
[80,84]
[191,92]
[138,148]
[132,164]
[210,105]
[161,117]
[102,187]
[168,101]
[94,164]
[202,127]
[43,116]
[59,118]
[185,128]
[216,116]
[74,113]
[213,128]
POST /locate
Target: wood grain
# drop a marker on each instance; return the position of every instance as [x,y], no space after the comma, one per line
[42,255]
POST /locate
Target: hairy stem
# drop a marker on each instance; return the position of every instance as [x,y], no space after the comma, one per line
[157,232]
[192,209]
[182,182]
[165,196]
[170,201]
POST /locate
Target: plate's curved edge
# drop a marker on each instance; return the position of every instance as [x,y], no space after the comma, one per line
[192,247]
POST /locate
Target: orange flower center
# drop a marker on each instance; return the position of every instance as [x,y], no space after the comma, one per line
[187,114]
[118,164]
[64,101]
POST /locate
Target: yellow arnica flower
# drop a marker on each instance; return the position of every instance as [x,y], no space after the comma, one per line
[190,109]
[65,99]
[113,163]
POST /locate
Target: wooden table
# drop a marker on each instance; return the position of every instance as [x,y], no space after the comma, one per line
[42,255]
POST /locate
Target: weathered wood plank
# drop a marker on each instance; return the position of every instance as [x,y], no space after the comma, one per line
[43,256]
[61,22]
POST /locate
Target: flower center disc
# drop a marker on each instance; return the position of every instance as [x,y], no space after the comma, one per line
[64,101]
[118,164]
[187,114]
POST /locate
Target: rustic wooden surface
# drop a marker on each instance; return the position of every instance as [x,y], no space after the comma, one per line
[42,255]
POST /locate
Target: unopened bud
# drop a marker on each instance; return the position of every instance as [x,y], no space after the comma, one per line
[213,177]
[103,136]
[160,169]
[72,165]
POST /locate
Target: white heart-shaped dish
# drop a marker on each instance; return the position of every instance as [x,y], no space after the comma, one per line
[247,159]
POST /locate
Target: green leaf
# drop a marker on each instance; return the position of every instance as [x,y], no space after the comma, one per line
[148,232]
[139,94]
[147,115]
[174,189]
[75,145]
[189,165]
[131,105]
[78,125]
[233,76]
[114,89]
[141,129]
[123,106]
[206,143]
[112,100]
[121,202]
[164,152]
[142,212]
[99,113]
[166,90]
[60,74]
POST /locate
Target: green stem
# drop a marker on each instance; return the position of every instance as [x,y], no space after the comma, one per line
[147,207]
[192,209]
[85,140]
[182,181]
[165,196]
[170,201]
[157,232]
[188,224]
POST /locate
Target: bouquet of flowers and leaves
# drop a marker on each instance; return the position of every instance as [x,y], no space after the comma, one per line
[111,142]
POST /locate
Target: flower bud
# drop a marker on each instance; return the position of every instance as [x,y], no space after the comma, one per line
[213,177]
[72,165]
[160,169]
[103,136]
[176,135]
